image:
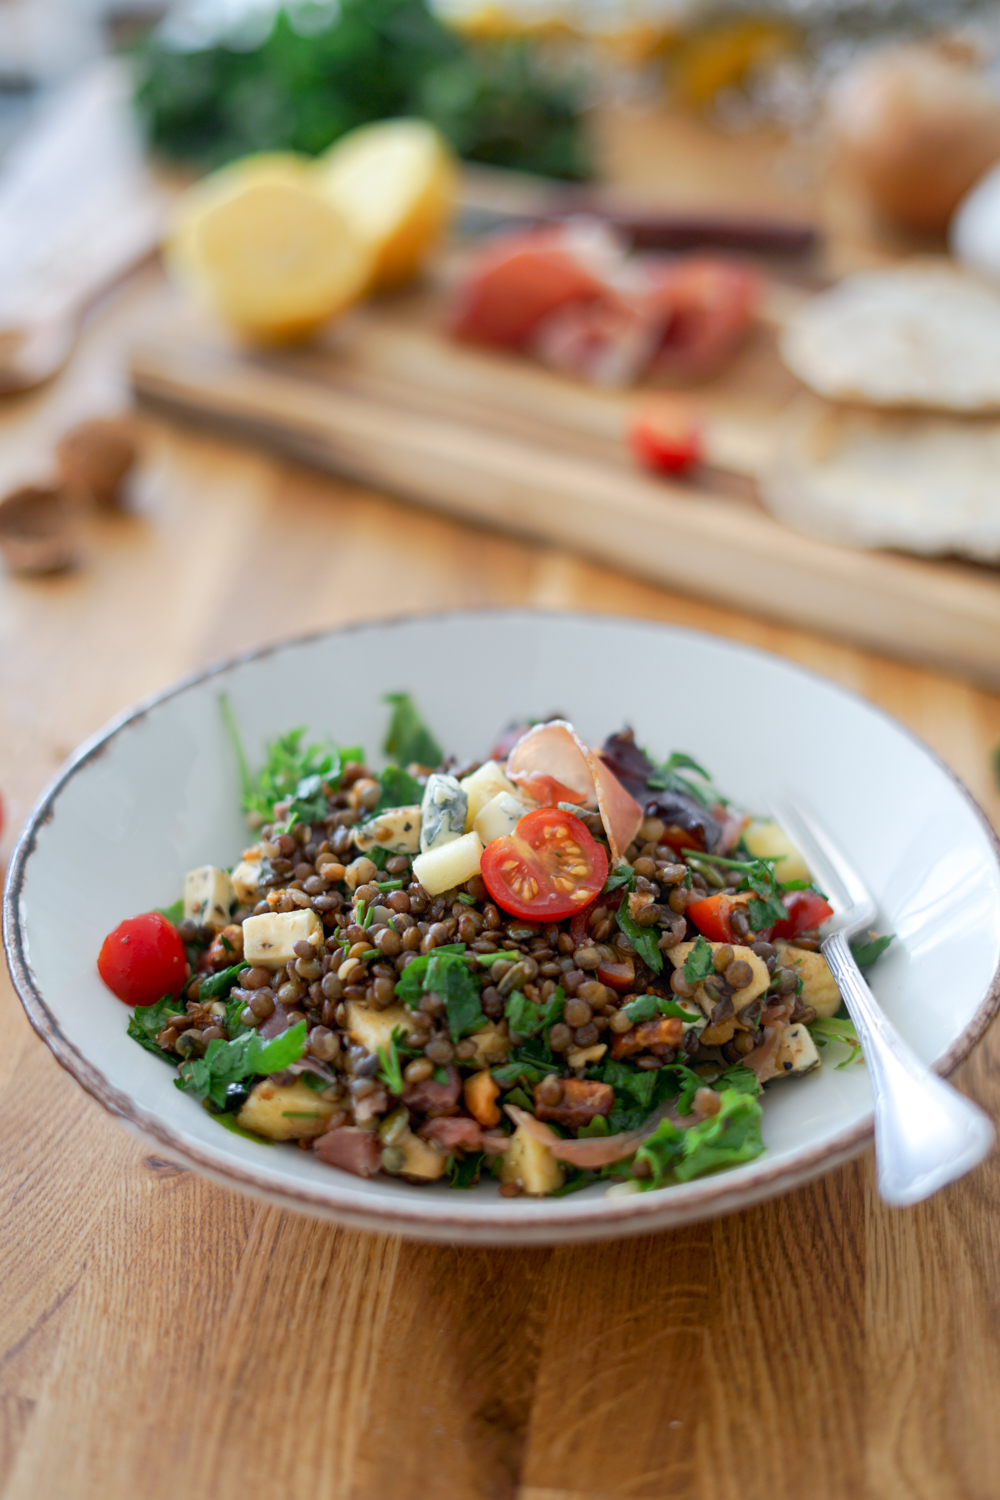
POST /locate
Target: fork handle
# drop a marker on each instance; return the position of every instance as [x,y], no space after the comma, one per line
[927,1134]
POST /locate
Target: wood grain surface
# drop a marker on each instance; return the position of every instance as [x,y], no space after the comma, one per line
[163,1338]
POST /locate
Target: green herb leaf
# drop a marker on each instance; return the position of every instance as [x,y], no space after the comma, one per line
[392,1071]
[399,788]
[597,1126]
[408,739]
[410,985]
[216,986]
[672,1008]
[622,874]
[445,972]
[722,1140]
[520,1098]
[231,1062]
[739,1077]
[528,1019]
[173,913]
[699,963]
[834,1029]
[644,939]
[667,778]
[464,1170]
[292,773]
[148,1021]
[865,954]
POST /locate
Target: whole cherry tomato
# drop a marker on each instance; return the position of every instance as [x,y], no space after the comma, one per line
[143,959]
[805,909]
[665,436]
[548,868]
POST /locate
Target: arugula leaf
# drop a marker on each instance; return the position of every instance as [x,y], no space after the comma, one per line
[722,1140]
[230,1062]
[464,1170]
[528,1019]
[216,985]
[391,1073]
[643,939]
[834,1029]
[865,954]
[699,963]
[148,1021]
[174,913]
[399,789]
[408,739]
[622,874]
[667,778]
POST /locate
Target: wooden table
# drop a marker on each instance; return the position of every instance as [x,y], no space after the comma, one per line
[163,1338]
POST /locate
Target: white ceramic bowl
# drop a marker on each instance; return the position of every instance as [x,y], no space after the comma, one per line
[156,793]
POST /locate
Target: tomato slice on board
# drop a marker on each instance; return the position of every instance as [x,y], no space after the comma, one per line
[548,868]
[143,959]
[805,909]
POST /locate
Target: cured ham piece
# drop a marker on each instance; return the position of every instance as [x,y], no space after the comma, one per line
[708,306]
[597,1151]
[555,751]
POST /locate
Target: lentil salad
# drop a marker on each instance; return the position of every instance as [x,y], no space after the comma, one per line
[553,967]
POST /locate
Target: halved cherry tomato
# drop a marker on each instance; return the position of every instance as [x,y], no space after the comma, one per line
[620,976]
[143,959]
[712,916]
[548,868]
[805,909]
[665,436]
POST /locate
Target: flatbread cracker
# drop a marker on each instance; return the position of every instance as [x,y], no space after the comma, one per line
[861,478]
[925,335]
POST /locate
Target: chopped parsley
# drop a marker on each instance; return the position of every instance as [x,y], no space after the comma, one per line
[700,962]
[643,939]
[721,1140]
[399,789]
[149,1020]
[391,1072]
[174,913]
[444,971]
[230,1062]
[865,954]
[528,1019]
[217,986]
[835,1029]
[408,739]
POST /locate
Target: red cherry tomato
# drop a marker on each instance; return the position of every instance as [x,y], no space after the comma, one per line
[619,976]
[143,959]
[665,436]
[805,909]
[548,868]
[712,916]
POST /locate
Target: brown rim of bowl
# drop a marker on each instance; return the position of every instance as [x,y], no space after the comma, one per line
[635,1214]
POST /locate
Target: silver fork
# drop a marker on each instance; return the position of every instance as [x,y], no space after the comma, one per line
[927,1134]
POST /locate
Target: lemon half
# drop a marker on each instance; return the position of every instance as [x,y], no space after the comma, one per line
[395,183]
[273,255]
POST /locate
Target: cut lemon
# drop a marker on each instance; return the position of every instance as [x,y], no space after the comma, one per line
[395,183]
[271,253]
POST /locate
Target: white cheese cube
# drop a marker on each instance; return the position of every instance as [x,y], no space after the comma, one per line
[442,812]
[246,881]
[208,896]
[796,1053]
[397,830]
[499,817]
[449,865]
[269,940]
[482,786]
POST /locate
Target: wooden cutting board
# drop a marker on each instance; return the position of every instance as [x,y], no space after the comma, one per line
[390,401]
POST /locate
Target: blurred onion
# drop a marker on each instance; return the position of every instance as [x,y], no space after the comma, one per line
[916,126]
[975,229]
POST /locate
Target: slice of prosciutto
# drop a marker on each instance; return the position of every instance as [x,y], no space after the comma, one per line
[595,1151]
[554,752]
